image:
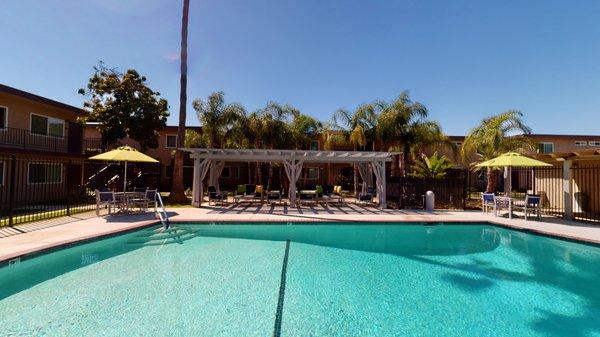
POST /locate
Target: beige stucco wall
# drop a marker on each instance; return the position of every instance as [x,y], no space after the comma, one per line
[20,109]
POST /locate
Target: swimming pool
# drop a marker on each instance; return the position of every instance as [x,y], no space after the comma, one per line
[327,280]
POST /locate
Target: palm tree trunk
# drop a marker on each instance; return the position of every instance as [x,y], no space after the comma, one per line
[491,181]
[177,189]
[355,176]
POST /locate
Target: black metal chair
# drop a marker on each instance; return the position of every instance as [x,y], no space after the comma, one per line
[213,196]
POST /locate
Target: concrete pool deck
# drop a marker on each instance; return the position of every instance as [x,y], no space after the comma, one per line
[31,238]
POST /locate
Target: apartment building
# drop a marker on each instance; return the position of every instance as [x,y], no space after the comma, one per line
[39,137]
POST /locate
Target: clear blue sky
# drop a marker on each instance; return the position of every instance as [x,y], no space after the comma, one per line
[463,59]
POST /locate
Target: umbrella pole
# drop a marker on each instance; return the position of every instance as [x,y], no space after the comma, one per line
[125,178]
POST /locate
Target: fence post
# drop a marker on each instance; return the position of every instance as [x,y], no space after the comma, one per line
[67,173]
[11,195]
[466,189]
[567,190]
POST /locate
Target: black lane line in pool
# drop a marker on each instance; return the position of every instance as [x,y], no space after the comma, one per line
[279,314]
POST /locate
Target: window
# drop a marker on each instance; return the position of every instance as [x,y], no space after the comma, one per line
[545,147]
[44,173]
[581,143]
[230,173]
[171,142]
[3,117]
[458,144]
[314,145]
[1,173]
[47,126]
[594,142]
[312,173]
[169,171]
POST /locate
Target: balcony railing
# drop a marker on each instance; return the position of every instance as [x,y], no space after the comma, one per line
[24,139]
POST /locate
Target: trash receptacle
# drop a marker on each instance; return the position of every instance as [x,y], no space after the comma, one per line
[429,201]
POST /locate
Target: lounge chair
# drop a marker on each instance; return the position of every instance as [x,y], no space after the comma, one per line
[246,193]
[488,200]
[333,194]
[258,193]
[533,204]
[215,197]
[105,198]
[274,196]
[366,197]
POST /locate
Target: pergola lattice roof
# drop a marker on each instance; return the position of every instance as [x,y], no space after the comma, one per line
[281,155]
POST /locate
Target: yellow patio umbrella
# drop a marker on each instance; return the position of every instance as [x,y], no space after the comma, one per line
[512,159]
[125,154]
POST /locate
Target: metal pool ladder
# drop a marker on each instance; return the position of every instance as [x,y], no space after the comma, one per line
[161,211]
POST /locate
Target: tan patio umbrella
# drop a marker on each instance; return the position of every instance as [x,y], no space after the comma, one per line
[510,160]
[125,154]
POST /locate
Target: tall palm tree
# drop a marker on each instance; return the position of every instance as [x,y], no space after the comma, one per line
[304,129]
[275,120]
[217,118]
[403,125]
[358,126]
[497,135]
[177,189]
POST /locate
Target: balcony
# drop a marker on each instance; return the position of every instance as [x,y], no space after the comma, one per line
[25,140]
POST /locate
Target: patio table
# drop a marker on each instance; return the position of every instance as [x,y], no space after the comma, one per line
[508,201]
[126,199]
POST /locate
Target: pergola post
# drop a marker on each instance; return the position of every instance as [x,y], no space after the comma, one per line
[201,167]
[379,171]
[293,169]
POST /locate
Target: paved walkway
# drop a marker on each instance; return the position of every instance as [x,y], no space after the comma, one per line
[29,238]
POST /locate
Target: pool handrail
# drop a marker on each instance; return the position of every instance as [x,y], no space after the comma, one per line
[162,212]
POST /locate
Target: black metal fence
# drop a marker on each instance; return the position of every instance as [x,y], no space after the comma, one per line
[37,188]
[549,183]
[409,192]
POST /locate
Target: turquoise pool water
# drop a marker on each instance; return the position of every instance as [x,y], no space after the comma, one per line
[340,280]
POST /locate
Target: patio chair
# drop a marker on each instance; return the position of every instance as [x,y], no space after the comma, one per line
[151,199]
[245,193]
[214,197]
[274,196]
[533,203]
[333,193]
[140,189]
[366,197]
[105,198]
[488,200]
[258,193]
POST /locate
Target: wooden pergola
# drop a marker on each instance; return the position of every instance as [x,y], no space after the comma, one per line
[213,161]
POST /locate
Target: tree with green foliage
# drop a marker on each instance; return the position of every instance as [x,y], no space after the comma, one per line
[358,127]
[497,135]
[124,106]
[403,126]
[194,139]
[304,129]
[434,166]
[217,118]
